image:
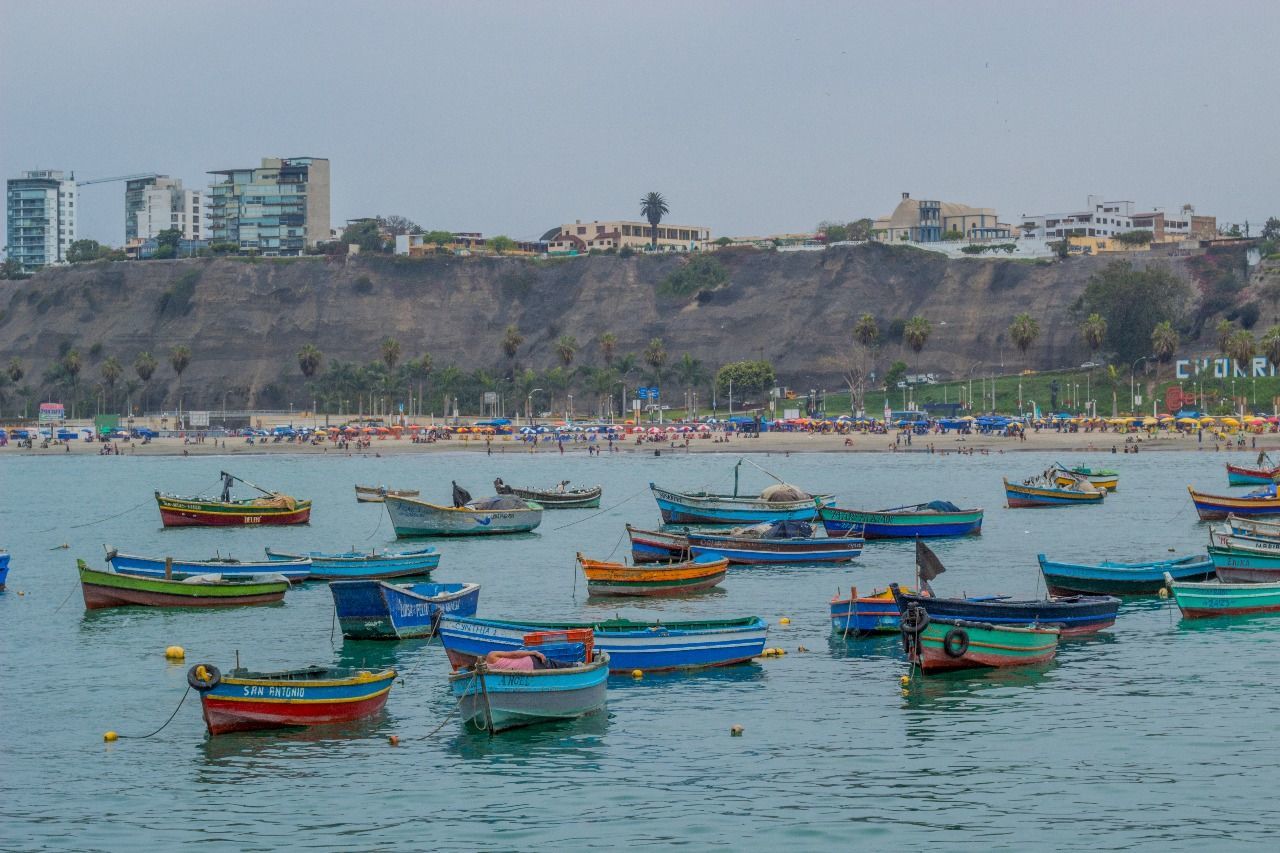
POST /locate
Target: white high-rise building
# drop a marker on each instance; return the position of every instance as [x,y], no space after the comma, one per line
[164,204]
[41,224]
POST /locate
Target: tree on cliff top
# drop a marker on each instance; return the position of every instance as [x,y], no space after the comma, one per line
[653,207]
[1132,302]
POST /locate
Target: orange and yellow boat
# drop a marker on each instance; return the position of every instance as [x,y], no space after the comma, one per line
[606,578]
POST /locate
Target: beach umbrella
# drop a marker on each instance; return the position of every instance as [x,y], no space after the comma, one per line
[1231,422]
[1206,420]
[1149,421]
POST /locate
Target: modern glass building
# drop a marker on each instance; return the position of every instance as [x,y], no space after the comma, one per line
[41,218]
[280,208]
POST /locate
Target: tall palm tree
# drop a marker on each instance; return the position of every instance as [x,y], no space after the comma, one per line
[1271,344]
[144,365]
[179,359]
[653,207]
[111,371]
[1241,346]
[1094,332]
[608,346]
[689,372]
[390,353]
[421,370]
[1164,343]
[447,381]
[511,341]
[1023,331]
[602,381]
[866,331]
[566,348]
[1222,334]
[71,365]
[655,355]
[916,333]
[309,359]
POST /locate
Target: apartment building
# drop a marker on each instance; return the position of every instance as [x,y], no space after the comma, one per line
[279,208]
[580,237]
[40,209]
[161,203]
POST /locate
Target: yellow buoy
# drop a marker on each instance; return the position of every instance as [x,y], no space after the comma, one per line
[1163,593]
[736,730]
[906,679]
[175,653]
[637,673]
[394,740]
[784,621]
[110,737]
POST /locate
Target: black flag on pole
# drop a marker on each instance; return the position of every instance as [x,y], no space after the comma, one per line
[928,566]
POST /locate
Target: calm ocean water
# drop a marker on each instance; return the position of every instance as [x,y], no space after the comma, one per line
[1155,735]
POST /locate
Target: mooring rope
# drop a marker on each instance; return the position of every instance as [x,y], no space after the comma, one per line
[166,722]
[601,512]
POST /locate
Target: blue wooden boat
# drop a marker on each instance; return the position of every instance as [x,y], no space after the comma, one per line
[1076,614]
[154,567]
[499,699]
[1112,578]
[657,546]
[1041,492]
[373,565]
[647,646]
[711,508]
[864,615]
[776,543]
[935,518]
[377,610]
[1262,502]
[4,568]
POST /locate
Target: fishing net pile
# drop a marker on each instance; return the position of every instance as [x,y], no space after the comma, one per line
[277,500]
[498,502]
[783,493]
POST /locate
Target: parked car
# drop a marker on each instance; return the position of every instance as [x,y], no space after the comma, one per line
[1089,365]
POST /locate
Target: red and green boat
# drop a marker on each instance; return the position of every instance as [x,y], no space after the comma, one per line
[942,645]
[243,701]
[117,589]
[270,508]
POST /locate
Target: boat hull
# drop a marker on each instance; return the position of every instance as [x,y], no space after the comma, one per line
[1076,615]
[746,551]
[619,579]
[681,508]
[1110,482]
[331,567]
[410,518]
[1253,566]
[105,589]
[1240,476]
[900,525]
[1208,600]
[241,704]
[655,546]
[1019,496]
[1215,507]
[4,570]
[581,499]
[502,699]
[631,645]
[375,610]
[987,646]
[295,570]
[876,614]
[1121,578]
[192,512]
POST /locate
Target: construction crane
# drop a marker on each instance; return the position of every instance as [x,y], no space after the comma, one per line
[117,178]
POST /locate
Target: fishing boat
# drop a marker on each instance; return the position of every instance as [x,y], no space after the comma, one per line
[657,546]
[710,508]
[1075,614]
[562,497]
[1203,600]
[935,518]
[647,646]
[1101,478]
[1263,502]
[572,684]
[376,494]
[377,610]
[501,514]
[296,570]
[941,645]
[1259,527]
[1113,578]
[1261,474]
[1042,492]
[775,543]
[4,569]
[863,615]
[1244,559]
[117,589]
[243,700]
[676,578]
[369,565]
[271,508]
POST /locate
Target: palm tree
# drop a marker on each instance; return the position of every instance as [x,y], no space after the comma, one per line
[655,355]
[602,381]
[916,333]
[144,365]
[1024,330]
[179,359]
[111,371]
[71,364]
[1222,333]
[567,348]
[447,381]
[653,207]
[390,353]
[1271,344]
[422,370]
[511,341]
[866,331]
[1094,332]
[689,372]
[309,358]
[1164,343]
[15,370]
[1241,346]
[608,345]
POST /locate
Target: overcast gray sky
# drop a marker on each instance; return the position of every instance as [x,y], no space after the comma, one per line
[751,118]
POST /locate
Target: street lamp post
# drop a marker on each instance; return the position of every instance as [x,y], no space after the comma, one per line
[1133,367]
[969,396]
[528,405]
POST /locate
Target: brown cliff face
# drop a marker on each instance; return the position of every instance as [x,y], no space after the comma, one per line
[245,321]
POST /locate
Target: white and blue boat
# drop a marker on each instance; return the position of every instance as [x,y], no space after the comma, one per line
[358,565]
[154,567]
[711,508]
[4,568]
[377,610]
[496,699]
[776,543]
[648,646]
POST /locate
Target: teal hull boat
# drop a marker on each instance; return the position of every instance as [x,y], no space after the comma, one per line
[1202,600]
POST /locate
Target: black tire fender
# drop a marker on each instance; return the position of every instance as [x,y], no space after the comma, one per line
[204,677]
[956,643]
[914,620]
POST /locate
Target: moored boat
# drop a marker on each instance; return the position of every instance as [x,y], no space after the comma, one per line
[501,514]
[1240,475]
[1259,527]
[776,543]
[657,546]
[376,494]
[859,616]
[572,685]
[377,610]
[1114,578]
[1101,478]
[570,497]
[243,700]
[676,578]
[1244,559]
[116,589]
[941,645]
[296,570]
[369,565]
[1046,493]
[4,569]
[712,508]
[1262,502]
[1075,614]
[272,508]
[1204,600]
[647,646]
[935,518]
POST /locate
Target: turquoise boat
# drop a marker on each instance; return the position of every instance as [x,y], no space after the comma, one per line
[1202,600]
[359,565]
[935,518]
[1113,578]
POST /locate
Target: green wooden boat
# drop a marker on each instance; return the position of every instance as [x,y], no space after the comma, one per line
[1202,600]
[941,645]
[117,589]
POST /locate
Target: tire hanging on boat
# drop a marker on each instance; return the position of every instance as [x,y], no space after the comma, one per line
[204,677]
[956,643]
[914,620]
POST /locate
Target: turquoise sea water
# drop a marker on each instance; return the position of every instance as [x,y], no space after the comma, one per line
[1157,735]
